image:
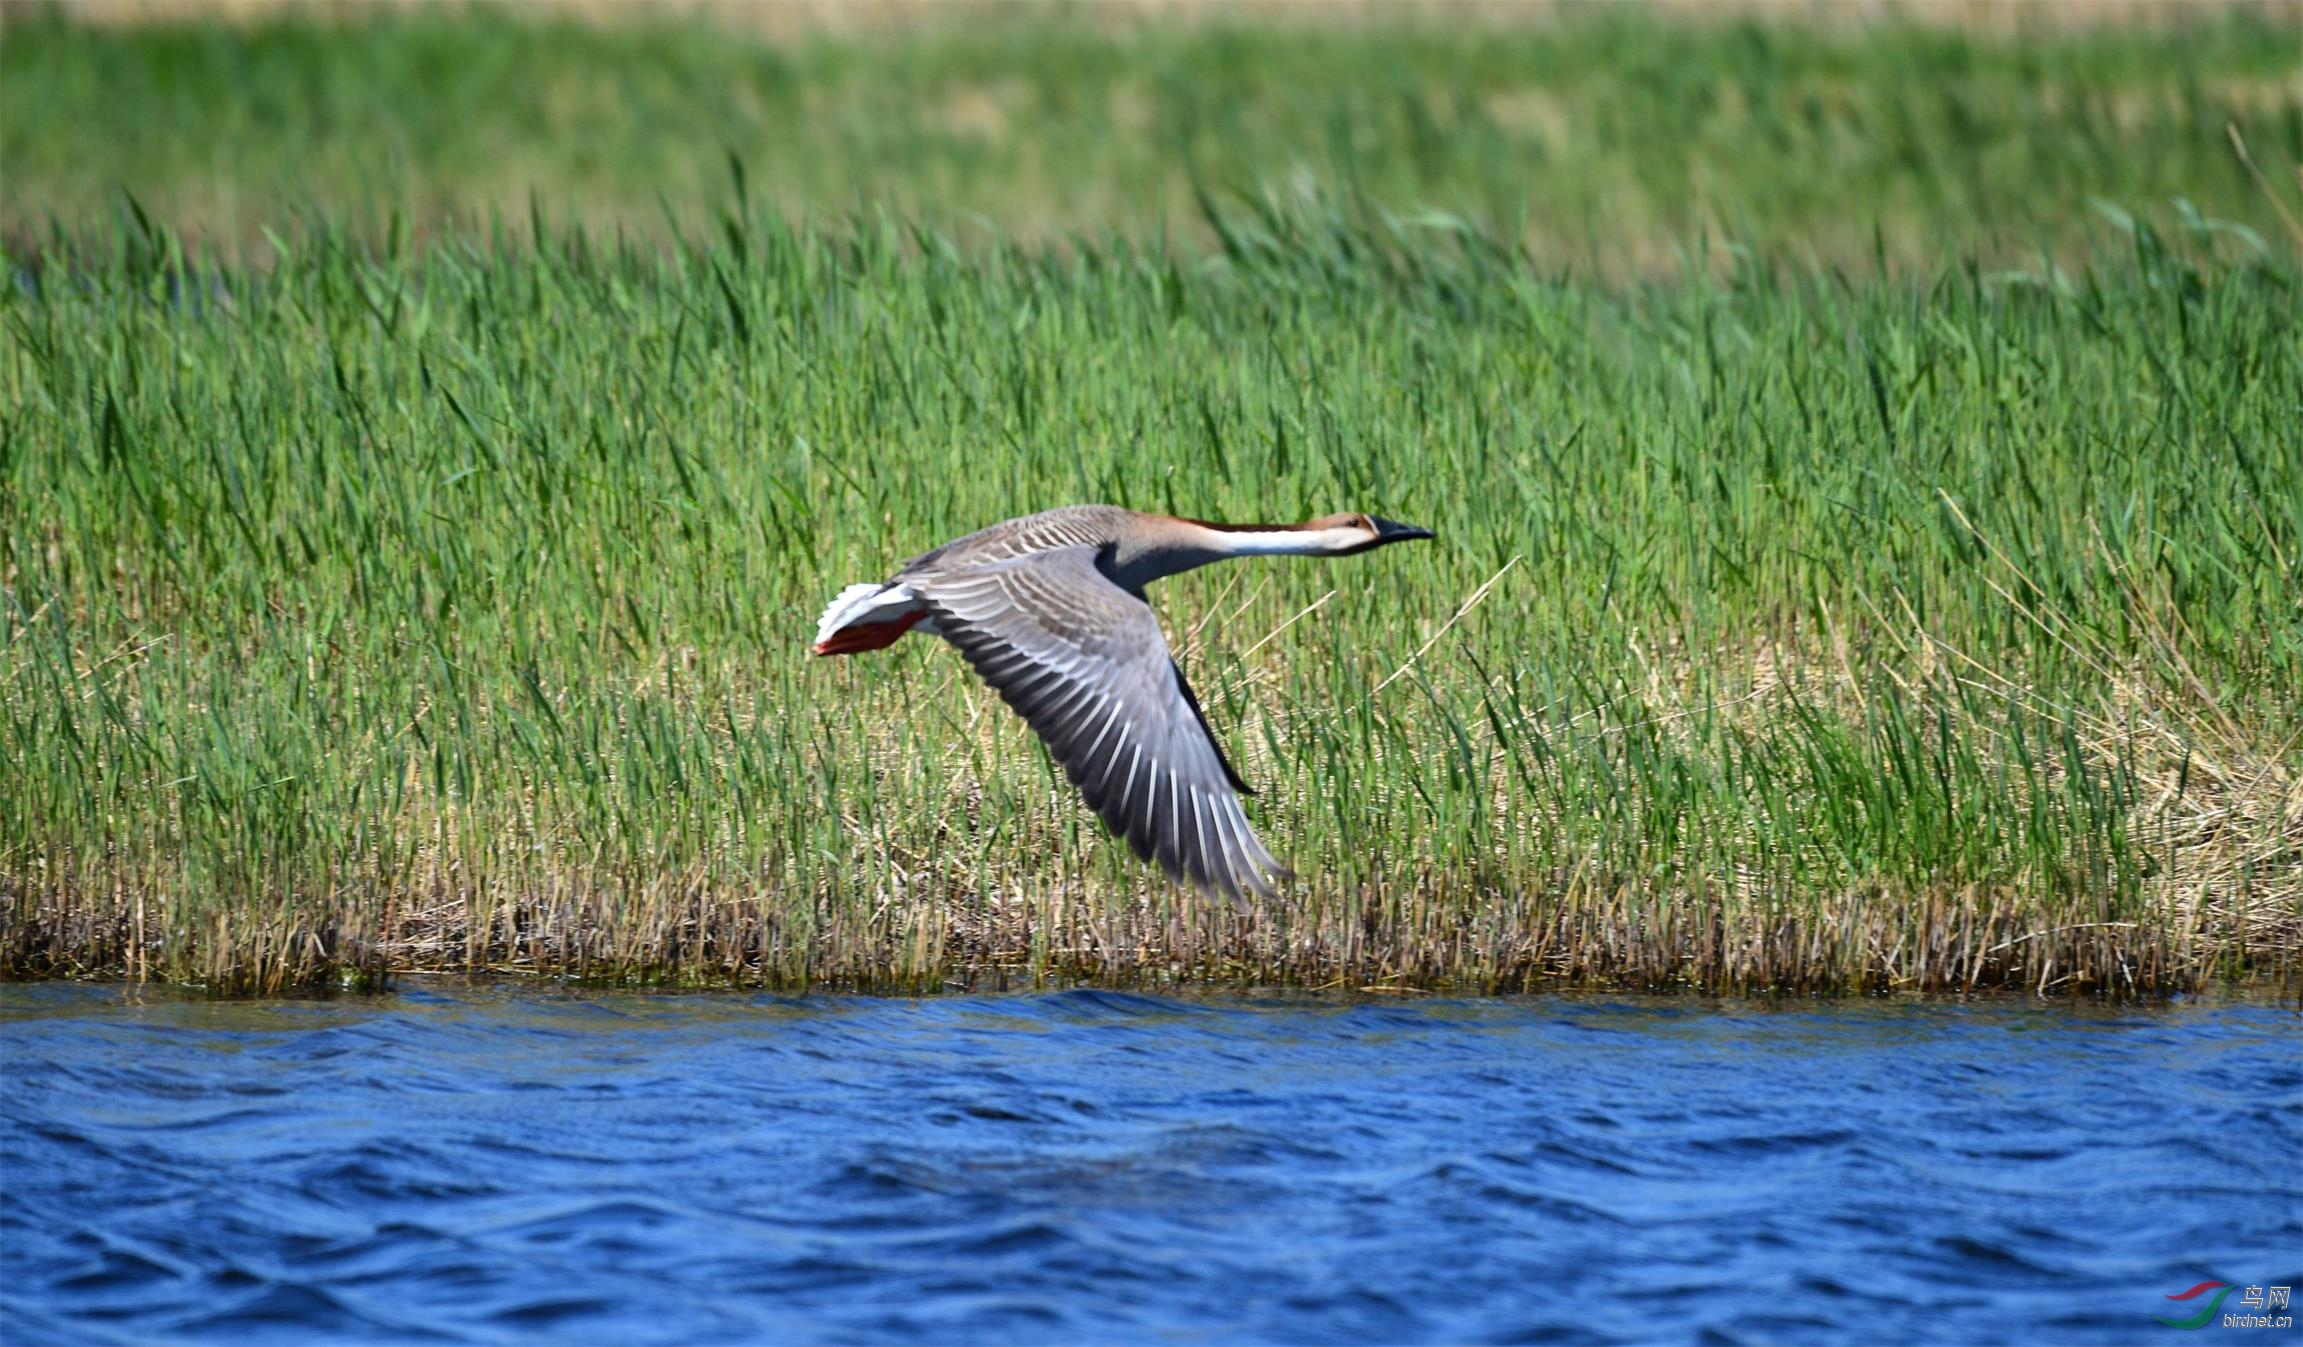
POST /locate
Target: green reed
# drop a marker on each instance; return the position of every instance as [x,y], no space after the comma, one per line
[369,606]
[1609,136]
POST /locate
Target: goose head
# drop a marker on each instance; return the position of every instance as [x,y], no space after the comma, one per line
[1342,535]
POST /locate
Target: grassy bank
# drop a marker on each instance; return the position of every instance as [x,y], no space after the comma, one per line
[445,607]
[1611,139]
[1868,555]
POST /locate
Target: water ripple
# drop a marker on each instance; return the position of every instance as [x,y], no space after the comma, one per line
[482,1166]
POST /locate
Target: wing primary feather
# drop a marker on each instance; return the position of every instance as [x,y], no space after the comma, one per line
[1105,732]
[1078,657]
[1064,706]
[1166,828]
[1251,852]
[1142,820]
[1128,782]
[1244,867]
[1210,872]
[1111,762]
[1183,685]
[1028,688]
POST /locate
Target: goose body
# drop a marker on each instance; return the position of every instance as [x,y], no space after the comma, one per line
[1050,611]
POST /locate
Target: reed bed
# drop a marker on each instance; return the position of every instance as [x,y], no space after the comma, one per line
[446,608]
[1609,135]
[1895,597]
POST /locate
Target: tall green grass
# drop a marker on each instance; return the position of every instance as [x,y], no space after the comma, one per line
[371,605]
[1610,138]
[1868,555]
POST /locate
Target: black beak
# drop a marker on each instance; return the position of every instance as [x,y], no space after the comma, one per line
[1392,531]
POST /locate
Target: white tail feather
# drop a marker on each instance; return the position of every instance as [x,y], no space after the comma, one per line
[861,605]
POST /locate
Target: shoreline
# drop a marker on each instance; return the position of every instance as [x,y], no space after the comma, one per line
[1196,949]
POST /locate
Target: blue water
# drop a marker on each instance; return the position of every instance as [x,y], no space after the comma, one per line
[516,1166]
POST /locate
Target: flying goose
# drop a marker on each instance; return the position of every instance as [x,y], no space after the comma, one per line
[1050,610]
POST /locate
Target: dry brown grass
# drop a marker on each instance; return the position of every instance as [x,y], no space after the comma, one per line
[793,19]
[1058,904]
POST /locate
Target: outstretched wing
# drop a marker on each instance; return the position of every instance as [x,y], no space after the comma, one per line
[1083,662]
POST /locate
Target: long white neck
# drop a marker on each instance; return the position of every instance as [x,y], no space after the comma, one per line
[1281,542]
[1178,545]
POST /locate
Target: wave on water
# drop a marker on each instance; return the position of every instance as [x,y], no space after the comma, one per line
[490,1166]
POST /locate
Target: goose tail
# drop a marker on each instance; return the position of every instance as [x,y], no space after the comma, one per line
[867,617]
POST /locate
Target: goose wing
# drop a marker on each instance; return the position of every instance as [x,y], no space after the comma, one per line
[1083,662]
